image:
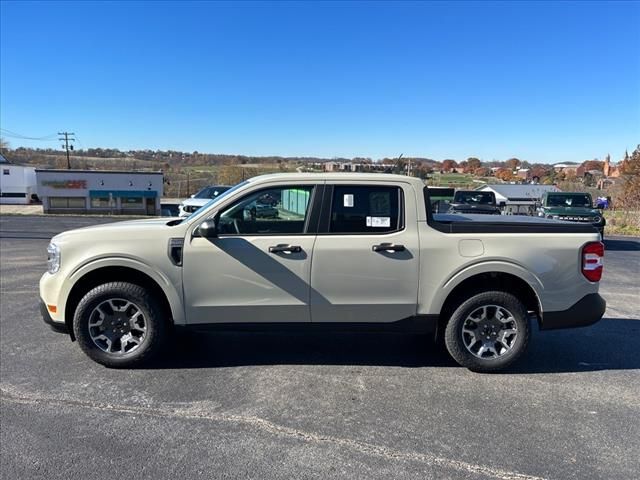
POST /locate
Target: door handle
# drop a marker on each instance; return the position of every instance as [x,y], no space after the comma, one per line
[388,247]
[285,248]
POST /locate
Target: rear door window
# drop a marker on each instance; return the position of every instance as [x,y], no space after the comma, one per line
[366,209]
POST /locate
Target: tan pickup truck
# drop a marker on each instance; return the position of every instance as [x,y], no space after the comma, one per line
[323,251]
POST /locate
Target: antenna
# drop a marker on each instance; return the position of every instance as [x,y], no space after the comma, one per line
[398,162]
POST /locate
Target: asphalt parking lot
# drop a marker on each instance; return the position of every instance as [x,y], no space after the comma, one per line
[315,406]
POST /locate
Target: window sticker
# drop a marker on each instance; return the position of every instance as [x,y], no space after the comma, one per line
[380,203]
[347,200]
[381,222]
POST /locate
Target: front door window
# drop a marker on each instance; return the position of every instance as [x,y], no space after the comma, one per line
[274,211]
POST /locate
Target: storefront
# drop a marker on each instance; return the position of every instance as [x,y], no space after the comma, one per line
[100,191]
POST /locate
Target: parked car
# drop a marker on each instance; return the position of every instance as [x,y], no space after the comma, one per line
[169,209]
[260,210]
[190,205]
[361,252]
[474,201]
[441,198]
[571,207]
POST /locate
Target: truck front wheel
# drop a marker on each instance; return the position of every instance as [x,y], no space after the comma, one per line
[488,332]
[119,324]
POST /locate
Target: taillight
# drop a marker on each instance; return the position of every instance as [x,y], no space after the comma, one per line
[592,255]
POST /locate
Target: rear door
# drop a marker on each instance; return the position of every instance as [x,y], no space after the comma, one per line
[258,268]
[366,257]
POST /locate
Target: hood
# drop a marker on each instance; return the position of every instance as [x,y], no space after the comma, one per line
[579,211]
[130,226]
[198,202]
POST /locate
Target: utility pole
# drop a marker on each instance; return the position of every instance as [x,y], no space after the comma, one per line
[67,138]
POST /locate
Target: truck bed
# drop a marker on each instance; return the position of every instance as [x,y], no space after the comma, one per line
[470,223]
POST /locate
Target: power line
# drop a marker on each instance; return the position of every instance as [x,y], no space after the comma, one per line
[79,141]
[11,134]
[66,145]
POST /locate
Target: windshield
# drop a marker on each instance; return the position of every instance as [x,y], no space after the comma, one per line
[220,196]
[211,192]
[476,198]
[581,200]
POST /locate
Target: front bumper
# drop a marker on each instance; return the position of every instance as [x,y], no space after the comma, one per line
[585,312]
[46,318]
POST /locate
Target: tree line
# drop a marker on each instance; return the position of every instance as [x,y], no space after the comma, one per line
[174,160]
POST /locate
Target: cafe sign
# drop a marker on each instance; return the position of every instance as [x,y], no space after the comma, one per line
[66,184]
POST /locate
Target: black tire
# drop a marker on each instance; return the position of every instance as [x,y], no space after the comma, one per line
[455,343]
[155,321]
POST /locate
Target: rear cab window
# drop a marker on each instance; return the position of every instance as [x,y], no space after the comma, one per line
[366,209]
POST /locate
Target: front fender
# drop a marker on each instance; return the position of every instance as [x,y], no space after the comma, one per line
[172,291]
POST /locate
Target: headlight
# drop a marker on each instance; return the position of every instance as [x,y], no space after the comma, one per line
[53,258]
[556,217]
[549,216]
[597,219]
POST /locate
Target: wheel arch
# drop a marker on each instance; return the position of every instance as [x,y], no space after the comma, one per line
[487,281]
[88,278]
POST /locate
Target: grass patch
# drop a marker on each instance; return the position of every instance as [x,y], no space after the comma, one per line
[453,180]
[622,222]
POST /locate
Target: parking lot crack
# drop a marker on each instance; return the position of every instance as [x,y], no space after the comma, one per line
[10,393]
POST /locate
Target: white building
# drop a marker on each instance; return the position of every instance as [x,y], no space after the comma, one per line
[518,199]
[17,183]
[100,191]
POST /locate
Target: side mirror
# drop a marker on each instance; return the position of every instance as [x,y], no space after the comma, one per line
[502,204]
[538,204]
[193,196]
[208,229]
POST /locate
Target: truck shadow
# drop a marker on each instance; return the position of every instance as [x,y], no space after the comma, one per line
[232,349]
[611,344]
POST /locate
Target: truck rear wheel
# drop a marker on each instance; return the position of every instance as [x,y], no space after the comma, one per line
[119,324]
[488,332]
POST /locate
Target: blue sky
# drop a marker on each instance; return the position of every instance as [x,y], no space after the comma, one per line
[545,82]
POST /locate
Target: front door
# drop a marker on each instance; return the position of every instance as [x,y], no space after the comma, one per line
[366,256]
[150,204]
[258,268]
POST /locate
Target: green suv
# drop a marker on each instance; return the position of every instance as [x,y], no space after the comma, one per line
[571,207]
